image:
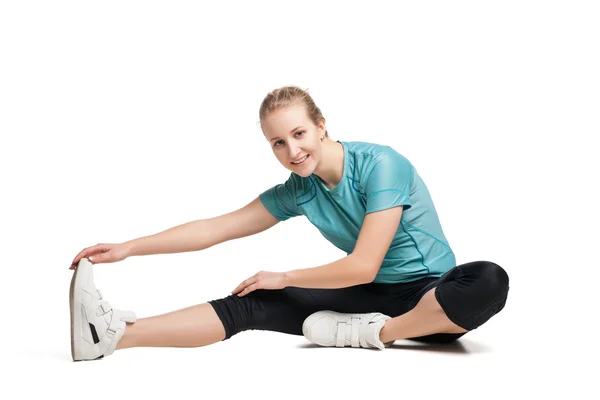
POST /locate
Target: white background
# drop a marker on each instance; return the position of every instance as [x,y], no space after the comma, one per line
[120,119]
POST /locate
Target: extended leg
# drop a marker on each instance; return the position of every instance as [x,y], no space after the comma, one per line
[97,329]
[193,326]
[200,325]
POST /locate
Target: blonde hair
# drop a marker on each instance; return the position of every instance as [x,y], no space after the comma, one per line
[290,96]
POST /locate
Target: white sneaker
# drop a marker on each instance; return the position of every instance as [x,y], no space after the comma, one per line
[95,326]
[330,328]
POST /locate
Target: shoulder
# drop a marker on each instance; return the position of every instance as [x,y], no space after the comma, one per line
[368,156]
[365,148]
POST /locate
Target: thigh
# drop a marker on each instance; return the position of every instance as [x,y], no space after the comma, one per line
[285,310]
[398,298]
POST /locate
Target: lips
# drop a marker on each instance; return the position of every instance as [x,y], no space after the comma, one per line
[303,159]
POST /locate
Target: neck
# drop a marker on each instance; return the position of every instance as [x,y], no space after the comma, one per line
[331,167]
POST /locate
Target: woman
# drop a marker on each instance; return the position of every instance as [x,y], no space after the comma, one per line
[398,281]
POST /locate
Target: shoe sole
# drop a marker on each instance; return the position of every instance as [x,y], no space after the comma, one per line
[75,319]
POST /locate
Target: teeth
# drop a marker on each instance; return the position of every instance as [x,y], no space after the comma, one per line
[298,162]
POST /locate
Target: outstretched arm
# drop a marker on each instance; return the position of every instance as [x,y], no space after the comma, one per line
[204,233]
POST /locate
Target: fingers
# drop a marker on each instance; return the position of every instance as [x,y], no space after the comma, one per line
[242,286]
[83,253]
[249,289]
[97,258]
[90,253]
[78,259]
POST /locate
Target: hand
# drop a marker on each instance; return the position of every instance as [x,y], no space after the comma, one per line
[102,253]
[262,280]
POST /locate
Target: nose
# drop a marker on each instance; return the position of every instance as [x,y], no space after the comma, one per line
[294,151]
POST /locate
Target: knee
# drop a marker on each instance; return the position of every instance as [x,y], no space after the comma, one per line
[495,277]
[234,312]
[490,279]
[480,291]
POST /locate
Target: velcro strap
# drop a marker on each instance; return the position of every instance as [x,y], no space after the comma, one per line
[363,334]
[354,331]
[127,316]
[103,308]
[118,320]
[114,326]
[98,295]
[340,337]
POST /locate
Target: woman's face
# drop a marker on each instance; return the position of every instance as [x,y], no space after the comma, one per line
[292,136]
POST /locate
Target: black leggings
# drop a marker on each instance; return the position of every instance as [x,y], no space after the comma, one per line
[470,294]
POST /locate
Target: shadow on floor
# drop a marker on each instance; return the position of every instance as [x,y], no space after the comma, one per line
[460,346]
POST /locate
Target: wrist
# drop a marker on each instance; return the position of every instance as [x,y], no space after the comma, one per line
[289,278]
[129,249]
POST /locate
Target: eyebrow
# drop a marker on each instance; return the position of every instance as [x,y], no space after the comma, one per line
[292,131]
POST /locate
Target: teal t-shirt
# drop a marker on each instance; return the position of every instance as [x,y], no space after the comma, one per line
[375,178]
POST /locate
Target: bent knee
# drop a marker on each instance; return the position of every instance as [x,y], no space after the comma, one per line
[494,278]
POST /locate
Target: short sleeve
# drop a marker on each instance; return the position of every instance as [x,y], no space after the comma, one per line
[280,200]
[388,183]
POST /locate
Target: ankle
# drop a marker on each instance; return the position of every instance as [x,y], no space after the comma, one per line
[385,334]
[127,340]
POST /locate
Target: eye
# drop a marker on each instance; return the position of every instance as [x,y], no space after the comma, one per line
[276,144]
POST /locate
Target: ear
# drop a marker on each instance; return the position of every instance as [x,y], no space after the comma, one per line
[323,128]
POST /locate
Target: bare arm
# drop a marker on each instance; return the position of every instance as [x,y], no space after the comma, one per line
[204,233]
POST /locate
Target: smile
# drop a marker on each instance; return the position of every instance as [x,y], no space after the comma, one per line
[301,161]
